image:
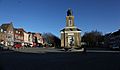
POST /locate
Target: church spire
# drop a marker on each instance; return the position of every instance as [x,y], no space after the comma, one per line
[69,12]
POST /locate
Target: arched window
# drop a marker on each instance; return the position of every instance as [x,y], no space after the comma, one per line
[70,22]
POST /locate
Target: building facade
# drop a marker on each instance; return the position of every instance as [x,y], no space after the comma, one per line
[70,35]
[26,39]
[30,39]
[2,36]
[7,34]
[18,37]
[112,40]
[37,39]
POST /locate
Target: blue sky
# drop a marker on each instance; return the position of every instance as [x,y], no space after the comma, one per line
[50,15]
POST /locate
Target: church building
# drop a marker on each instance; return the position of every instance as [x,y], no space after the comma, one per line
[70,35]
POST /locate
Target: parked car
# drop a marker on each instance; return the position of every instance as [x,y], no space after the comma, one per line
[17,46]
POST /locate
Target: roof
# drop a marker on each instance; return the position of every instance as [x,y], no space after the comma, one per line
[114,33]
[70,29]
[4,26]
[20,29]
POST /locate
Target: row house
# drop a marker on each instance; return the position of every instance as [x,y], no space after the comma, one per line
[30,39]
[27,38]
[37,39]
[23,38]
[7,34]
[26,41]
[18,37]
[34,40]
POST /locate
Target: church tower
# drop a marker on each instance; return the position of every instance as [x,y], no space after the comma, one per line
[70,35]
[69,19]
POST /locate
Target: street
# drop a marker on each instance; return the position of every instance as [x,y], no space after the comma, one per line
[15,60]
[45,50]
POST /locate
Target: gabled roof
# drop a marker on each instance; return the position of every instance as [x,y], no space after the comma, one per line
[5,26]
[19,29]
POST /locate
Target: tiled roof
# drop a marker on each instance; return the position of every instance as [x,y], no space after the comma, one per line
[19,29]
[4,26]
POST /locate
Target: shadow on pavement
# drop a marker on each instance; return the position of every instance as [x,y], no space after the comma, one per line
[12,60]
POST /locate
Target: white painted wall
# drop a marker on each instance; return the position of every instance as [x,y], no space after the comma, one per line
[26,37]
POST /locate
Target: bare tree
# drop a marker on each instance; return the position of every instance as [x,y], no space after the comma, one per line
[51,40]
[93,38]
